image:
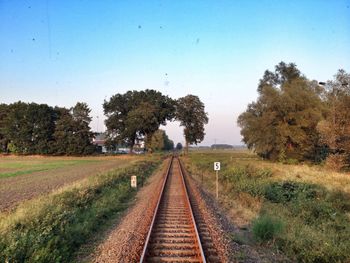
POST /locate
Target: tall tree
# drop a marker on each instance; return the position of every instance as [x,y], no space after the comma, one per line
[3,139]
[168,144]
[63,134]
[192,116]
[335,128]
[136,115]
[29,127]
[161,142]
[73,135]
[282,122]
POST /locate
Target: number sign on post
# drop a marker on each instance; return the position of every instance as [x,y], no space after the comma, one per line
[217,167]
[133,181]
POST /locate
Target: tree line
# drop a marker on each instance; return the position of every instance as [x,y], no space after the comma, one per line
[31,128]
[297,119]
[131,118]
[137,115]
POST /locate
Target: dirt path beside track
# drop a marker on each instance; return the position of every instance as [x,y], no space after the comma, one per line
[124,241]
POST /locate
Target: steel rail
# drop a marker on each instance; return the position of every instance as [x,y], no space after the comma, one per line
[191,212]
[197,240]
[156,210]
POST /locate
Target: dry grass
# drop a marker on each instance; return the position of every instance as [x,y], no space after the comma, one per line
[311,202]
[314,174]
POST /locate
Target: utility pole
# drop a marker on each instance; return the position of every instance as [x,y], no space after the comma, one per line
[97,123]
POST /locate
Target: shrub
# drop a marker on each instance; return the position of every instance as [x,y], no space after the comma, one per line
[336,162]
[266,228]
[291,161]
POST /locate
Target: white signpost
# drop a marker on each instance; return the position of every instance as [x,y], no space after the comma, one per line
[217,167]
[133,181]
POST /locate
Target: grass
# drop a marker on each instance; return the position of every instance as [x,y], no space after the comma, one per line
[302,210]
[266,228]
[15,168]
[52,228]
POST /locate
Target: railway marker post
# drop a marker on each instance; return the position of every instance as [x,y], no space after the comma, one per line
[217,166]
[133,181]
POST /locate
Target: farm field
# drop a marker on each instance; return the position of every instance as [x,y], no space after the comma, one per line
[51,227]
[299,209]
[23,178]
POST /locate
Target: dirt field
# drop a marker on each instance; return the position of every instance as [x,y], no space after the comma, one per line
[23,178]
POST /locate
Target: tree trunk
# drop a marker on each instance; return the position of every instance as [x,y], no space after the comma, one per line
[131,149]
[186,150]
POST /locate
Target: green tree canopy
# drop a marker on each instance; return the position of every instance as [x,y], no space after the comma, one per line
[73,135]
[282,122]
[136,115]
[178,146]
[161,142]
[3,116]
[192,116]
[29,127]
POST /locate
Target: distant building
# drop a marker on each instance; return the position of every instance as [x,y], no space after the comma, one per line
[100,141]
[222,146]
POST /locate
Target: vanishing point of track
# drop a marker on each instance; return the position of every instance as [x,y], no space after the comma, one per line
[173,235]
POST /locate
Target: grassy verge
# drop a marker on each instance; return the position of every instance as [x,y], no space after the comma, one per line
[52,228]
[305,216]
[16,168]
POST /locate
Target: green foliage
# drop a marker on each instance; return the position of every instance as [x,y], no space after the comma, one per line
[190,112]
[266,228]
[136,114]
[287,191]
[179,146]
[282,122]
[72,134]
[3,139]
[53,230]
[30,128]
[160,142]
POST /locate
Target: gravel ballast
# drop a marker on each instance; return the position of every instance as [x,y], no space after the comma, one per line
[125,242]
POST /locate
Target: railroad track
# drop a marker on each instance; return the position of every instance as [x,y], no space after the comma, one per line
[173,235]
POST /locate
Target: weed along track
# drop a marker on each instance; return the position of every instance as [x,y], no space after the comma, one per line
[173,235]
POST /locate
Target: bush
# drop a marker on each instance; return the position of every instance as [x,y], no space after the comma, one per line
[336,162]
[291,161]
[266,228]
[287,191]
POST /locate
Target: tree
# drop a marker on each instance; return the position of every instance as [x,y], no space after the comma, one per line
[282,122]
[178,146]
[335,128]
[161,142]
[3,139]
[157,141]
[190,112]
[63,132]
[168,144]
[136,115]
[73,135]
[29,127]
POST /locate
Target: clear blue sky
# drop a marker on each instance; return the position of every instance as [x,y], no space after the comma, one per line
[60,52]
